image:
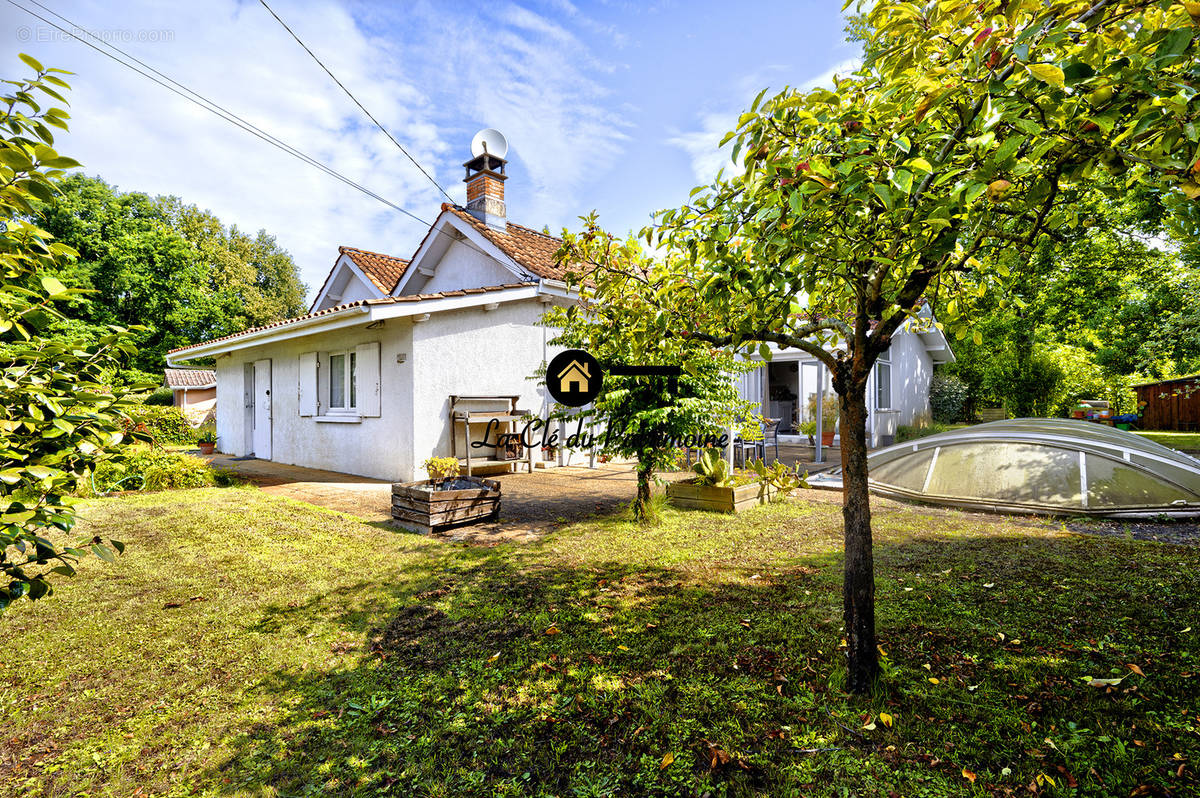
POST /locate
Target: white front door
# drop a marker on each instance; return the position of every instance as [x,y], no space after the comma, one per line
[262,409]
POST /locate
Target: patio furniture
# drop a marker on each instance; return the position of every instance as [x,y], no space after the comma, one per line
[758,449]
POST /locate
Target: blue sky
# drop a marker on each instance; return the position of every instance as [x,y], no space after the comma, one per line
[611,105]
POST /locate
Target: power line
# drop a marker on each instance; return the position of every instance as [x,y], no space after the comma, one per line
[208,105]
[198,99]
[355,99]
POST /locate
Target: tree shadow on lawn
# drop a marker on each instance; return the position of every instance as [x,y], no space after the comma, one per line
[501,673]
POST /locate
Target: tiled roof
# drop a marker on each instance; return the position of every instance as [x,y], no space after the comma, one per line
[528,248]
[383,270]
[190,378]
[391,300]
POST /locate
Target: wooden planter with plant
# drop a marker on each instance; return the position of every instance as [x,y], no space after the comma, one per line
[715,489]
[445,498]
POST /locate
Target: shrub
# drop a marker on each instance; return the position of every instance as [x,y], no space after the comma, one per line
[163,424]
[160,397]
[440,468]
[947,398]
[905,433]
[150,468]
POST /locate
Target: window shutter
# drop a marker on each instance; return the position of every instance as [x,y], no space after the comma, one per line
[322,383]
[307,387]
[366,358]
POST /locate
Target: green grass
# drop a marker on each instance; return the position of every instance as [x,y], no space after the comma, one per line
[247,645]
[1176,440]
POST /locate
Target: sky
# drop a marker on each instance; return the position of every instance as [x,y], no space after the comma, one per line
[613,106]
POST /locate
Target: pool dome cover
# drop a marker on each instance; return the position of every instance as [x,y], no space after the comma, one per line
[1049,466]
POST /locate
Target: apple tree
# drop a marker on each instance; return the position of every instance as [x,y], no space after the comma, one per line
[930,174]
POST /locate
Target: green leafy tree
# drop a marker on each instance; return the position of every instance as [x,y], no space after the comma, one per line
[57,415]
[170,268]
[931,174]
[642,416]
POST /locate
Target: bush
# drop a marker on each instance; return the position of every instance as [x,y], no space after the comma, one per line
[160,397]
[904,433]
[163,424]
[947,398]
[150,468]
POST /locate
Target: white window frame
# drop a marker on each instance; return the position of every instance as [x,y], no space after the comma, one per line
[349,386]
[883,361]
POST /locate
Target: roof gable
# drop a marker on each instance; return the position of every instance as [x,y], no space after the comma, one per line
[359,274]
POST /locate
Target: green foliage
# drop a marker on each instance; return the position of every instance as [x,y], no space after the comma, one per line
[808,428]
[947,398]
[162,397]
[934,172]
[711,468]
[911,433]
[829,412]
[638,416]
[1093,308]
[779,477]
[171,268]
[440,468]
[58,414]
[206,434]
[152,468]
[163,425]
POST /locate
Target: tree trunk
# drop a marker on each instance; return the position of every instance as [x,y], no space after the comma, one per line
[858,592]
[644,473]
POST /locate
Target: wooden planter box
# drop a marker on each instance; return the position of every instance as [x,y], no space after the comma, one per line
[691,496]
[417,505]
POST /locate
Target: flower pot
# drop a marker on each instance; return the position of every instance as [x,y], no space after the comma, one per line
[827,438]
[207,447]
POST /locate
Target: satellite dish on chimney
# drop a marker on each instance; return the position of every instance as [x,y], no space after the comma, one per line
[490,141]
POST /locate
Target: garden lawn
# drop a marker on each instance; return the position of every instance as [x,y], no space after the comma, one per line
[249,645]
[1188,441]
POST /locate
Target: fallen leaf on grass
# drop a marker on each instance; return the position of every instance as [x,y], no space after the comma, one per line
[623,648]
[553,630]
[885,719]
[933,680]
[990,585]
[494,657]
[869,725]
[667,759]
[1105,682]
[172,605]
[1136,670]
[968,775]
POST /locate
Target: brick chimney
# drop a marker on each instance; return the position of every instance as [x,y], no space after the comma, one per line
[485,190]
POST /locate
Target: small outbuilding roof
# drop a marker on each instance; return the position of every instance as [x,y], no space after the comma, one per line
[179,379]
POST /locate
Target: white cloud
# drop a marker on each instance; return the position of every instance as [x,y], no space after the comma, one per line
[700,144]
[432,75]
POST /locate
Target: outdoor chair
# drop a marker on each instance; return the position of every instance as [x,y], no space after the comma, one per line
[758,449]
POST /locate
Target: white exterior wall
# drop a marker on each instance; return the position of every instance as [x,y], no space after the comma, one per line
[462,266]
[912,370]
[372,447]
[474,352]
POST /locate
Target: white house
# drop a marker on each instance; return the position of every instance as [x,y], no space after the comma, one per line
[364,383]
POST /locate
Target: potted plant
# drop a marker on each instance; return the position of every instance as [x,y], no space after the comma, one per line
[206,439]
[809,428]
[444,498]
[714,487]
[829,416]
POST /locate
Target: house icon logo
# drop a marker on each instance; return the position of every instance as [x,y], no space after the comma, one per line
[573,378]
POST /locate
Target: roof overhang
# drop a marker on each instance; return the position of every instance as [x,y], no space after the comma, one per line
[352,316]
